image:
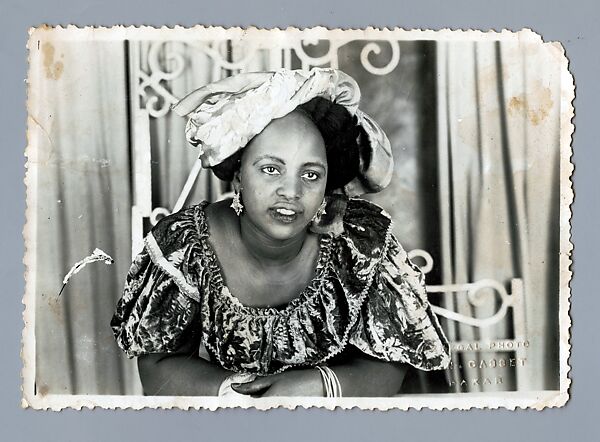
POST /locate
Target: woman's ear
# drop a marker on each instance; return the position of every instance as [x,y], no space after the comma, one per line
[236,182]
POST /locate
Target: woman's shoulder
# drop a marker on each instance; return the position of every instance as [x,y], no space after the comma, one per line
[179,229]
[227,220]
[366,226]
[192,226]
[366,212]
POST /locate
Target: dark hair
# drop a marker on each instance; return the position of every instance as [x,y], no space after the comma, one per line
[344,141]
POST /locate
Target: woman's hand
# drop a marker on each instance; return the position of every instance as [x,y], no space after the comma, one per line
[302,382]
[360,377]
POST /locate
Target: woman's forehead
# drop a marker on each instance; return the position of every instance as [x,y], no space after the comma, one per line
[293,137]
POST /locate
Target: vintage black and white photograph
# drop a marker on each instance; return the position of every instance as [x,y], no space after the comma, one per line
[268,217]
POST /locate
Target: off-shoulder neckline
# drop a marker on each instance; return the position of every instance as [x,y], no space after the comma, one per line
[216,272]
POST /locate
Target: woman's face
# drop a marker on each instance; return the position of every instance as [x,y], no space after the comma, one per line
[283,175]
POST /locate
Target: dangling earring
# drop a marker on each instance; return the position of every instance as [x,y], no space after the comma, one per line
[320,211]
[237,205]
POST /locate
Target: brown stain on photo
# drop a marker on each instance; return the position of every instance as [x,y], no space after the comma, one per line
[54,69]
[55,307]
[43,390]
[536,105]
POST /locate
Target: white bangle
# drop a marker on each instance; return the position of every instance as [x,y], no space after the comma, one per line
[331,383]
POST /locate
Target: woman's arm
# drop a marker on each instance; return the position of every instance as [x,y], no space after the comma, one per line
[179,374]
[370,377]
[360,376]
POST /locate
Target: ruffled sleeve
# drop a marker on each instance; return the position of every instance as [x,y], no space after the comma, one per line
[395,321]
[160,302]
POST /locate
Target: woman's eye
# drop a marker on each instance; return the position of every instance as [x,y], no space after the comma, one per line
[311,176]
[270,170]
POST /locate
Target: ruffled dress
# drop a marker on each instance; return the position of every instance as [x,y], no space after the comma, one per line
[366,296]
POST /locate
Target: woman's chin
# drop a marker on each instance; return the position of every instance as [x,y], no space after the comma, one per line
[278,228]
[283,232]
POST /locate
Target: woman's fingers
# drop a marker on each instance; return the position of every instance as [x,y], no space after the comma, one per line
[254,387]
[247,388]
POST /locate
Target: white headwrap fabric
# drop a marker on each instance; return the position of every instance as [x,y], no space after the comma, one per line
[224,116]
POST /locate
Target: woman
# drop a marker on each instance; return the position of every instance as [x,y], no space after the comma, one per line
[295,287]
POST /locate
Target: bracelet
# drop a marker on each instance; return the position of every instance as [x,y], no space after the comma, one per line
[332,385]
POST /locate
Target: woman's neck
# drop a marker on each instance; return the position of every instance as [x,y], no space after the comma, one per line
[266,250]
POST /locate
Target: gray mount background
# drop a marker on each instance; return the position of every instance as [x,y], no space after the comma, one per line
[574,23]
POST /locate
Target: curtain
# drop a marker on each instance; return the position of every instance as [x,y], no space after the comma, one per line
[498,153]
[78,125]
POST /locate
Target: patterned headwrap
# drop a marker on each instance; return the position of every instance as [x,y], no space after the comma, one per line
[225,115]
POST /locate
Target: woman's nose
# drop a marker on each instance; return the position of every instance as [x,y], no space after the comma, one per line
[290,188]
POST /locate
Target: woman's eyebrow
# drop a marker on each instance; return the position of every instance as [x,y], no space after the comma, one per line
[268,157]
[315,164]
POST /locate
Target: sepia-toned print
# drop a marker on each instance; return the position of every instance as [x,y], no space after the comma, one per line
[273,218]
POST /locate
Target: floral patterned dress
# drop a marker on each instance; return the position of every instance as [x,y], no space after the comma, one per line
[365,296]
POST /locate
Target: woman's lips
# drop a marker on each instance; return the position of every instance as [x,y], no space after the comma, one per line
[284,215]
[283,211]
